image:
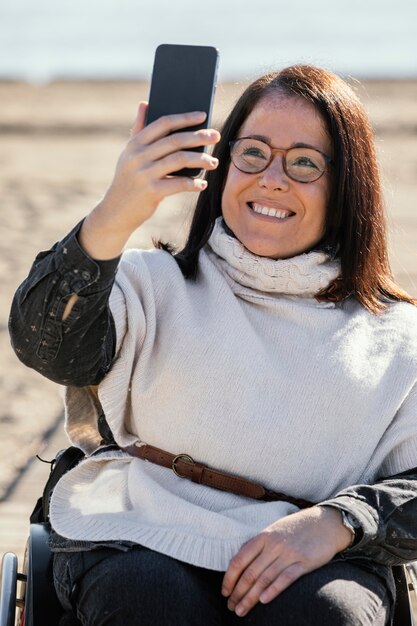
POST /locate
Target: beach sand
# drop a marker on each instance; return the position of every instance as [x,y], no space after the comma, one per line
[59,146]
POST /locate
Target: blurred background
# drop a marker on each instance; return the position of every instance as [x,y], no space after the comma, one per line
[115,39]
[71,74]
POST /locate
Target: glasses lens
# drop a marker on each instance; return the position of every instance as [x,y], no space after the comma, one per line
[250,155]
[305,164]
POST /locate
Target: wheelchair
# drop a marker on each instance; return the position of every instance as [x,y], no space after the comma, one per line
[37,604]
[28,598]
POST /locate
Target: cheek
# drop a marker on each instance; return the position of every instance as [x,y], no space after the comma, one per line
[225,202]
[230,191]
[318,202]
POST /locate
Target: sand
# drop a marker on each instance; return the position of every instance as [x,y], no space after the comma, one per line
[59,145]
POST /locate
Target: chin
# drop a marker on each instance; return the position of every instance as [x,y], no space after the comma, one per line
[271,252]
[264,252]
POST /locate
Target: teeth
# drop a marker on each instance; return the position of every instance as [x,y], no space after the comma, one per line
[258,208]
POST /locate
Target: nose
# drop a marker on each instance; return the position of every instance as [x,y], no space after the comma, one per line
[274,177]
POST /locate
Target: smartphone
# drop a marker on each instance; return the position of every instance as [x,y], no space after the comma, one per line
[183,80]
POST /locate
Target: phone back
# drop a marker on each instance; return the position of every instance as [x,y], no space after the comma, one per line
[183,80]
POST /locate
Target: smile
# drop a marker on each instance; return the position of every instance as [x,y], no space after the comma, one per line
[269,211]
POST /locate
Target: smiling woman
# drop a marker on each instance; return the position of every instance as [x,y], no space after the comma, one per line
[328,117]
[251,200]
[269,365]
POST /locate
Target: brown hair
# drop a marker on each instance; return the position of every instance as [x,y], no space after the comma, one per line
[355,220]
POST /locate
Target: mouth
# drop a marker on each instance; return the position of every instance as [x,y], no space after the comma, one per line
[267,211]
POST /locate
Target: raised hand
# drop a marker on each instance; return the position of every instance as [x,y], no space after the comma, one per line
[142,178]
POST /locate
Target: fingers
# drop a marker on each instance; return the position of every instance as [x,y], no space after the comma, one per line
[263,586]
[246,555]
[161,154]
[184,159]
[161,138]
[250,572]
[289,548]
[181,141]
[169,124]
[171,186]
[139,123]
[281,582]
[164,125]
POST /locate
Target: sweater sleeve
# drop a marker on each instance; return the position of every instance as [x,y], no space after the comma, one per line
[387,509]
[79,350]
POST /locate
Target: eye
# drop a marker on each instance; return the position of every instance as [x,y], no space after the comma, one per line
[253,152]
[304,162]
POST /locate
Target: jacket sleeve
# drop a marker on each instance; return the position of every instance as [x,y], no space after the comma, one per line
[387,515]
[79,350]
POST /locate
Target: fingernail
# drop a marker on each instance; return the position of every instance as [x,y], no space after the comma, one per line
[214,161]
[224,592]
[239,611]
[231,606]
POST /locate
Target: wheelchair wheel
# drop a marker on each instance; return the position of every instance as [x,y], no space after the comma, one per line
[41,605]
[8,589]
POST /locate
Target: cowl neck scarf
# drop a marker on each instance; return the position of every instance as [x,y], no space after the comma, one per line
[303,275]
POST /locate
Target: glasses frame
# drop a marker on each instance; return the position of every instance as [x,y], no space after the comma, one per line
[284,151]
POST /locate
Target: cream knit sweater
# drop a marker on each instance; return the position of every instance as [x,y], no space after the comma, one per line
[245,371]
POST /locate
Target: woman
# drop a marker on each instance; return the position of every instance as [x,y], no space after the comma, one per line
[274,347]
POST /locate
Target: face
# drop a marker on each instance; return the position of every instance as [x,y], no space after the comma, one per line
[298,222]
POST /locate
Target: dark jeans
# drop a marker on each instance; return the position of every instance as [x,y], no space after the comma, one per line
[140,587]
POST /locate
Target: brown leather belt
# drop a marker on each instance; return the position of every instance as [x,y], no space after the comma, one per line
[185,467]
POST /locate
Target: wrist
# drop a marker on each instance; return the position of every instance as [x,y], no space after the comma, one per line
[346,533]
[101,237]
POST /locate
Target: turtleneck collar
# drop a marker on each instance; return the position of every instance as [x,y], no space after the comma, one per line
[303,275]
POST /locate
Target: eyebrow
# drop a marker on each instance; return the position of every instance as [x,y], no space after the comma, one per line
[299,144]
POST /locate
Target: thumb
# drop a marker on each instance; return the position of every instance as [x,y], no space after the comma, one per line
[139,122]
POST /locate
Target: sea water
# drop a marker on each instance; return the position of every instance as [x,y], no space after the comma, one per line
[42,40]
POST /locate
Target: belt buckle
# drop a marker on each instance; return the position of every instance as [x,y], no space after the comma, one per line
[183,457]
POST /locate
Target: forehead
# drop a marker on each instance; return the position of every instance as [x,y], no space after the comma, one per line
[287,120]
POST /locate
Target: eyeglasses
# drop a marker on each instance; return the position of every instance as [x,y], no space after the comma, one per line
[252,156]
